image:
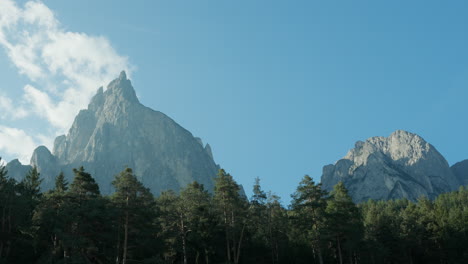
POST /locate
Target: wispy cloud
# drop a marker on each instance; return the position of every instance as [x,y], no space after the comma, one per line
[9,110]
[64,68]
[14,141]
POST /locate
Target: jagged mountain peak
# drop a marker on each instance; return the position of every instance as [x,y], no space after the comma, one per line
[123,75]
[39,153]
[115,131]
[121,89]
[401,146]
[402,165]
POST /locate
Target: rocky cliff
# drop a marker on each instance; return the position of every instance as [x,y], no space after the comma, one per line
[460,170]
[402,165]
[118,131]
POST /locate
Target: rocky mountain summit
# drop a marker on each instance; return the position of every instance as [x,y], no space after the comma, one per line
[402,165]
[117,131]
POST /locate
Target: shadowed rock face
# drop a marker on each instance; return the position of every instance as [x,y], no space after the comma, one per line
[118,131]
[16,170]
[460,169]
[402,165]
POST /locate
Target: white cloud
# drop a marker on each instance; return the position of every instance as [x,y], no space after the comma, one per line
[46,53]
[15,142]
[9,110]
[64,69]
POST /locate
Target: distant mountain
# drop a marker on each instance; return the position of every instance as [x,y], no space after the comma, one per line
[118,131]
[402,165]
[460,169]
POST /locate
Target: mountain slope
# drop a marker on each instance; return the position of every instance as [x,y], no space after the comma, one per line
[402,165]
[118,131]
[460,170]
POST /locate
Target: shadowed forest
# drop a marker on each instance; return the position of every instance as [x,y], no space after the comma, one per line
[74,223]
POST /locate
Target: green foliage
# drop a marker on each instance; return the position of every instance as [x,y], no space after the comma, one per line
[32,183]
[308,216]
[78,225]
[344,223]
[61,185]
[17,202]
[195,211]
[134,207]
[83,186]
[232,212]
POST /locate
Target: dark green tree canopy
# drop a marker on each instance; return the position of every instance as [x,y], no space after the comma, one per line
[61,185]
[32,182]
[83,184]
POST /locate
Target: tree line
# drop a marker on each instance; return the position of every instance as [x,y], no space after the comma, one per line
[74,223]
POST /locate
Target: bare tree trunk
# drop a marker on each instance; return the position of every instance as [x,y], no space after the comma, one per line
[339,249]
[65,255]
[8,244]
[206,256]
[184,246]
[276,251]
[239,245]
[410,256]
[117,258]
[319,251]
[270,232]
[228,248]
[3,231]
[124,258]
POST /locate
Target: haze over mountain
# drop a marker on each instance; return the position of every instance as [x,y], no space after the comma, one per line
[118,131]
[402,165]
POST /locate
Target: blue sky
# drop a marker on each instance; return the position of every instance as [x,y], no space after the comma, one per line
[277,88]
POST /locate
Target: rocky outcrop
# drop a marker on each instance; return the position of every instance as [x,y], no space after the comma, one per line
[47,165]
[402,165]
[460,170]
[16,170]
[117,131]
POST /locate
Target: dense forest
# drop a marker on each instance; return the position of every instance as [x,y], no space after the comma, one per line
[74,223]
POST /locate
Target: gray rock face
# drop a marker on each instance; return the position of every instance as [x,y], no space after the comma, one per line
[117,131]
[16,170]
[402,165]
[47,165]
[460,170]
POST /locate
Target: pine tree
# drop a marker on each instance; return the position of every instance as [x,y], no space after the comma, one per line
[7,195]
[344,222]
[61,185]
[135,204]
[232,211]
[168,219]
[31,184]
[308,206]
[87,217]
[195,221]
[83,186]
[277,226]
[258,225]
[15,220]
[53,219]
[259,196]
